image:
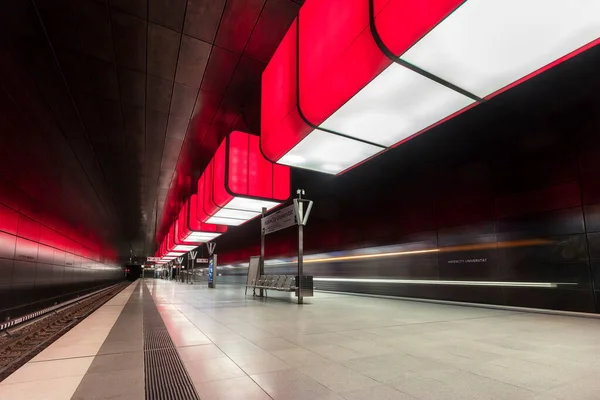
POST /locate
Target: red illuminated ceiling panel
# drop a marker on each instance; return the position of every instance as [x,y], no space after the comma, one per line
[281,124]
[352,78]
[190,229]
[172,251]
[239,182]
[163,253]
[180,245]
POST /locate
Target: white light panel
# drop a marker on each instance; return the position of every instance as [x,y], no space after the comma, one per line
[255,205]
[487,44]
[201,236]
[183,247]
[395,105]
[236,214]
[240,210]
[175,253]
[324,152]
[225,221]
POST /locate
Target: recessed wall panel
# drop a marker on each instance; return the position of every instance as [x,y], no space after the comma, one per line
[6,267]
[23,272]
[564,299]
[562,259]
[559,222]
[7,245]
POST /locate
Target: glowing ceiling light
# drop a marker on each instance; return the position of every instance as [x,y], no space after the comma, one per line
[170,246]
[161,248]
[239,182]
[514,39]
[176,244]
[318,148]
[189,228]
[352,78]
[394,106]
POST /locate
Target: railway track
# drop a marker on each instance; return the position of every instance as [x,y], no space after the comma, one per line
[22,342]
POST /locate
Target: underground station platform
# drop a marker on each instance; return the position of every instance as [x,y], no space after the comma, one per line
[160,339]
[451,150]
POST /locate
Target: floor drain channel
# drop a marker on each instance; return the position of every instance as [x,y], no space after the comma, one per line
[165,375]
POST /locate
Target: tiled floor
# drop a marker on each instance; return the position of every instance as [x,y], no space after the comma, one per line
[334,347]
[117,371]
[350,347]
[57,371]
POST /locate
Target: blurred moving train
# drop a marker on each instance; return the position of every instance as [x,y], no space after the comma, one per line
[464,273]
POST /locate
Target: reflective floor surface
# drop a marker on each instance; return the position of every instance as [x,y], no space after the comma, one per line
[351,347]
[334,347]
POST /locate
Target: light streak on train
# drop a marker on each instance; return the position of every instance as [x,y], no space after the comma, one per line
[449,249]
[379,269]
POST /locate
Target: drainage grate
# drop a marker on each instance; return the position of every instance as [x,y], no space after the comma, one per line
[156,338]
[165,375]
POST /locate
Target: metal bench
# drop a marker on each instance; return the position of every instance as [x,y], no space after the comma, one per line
[280,283]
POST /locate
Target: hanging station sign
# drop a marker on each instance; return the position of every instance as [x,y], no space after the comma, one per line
[278,220]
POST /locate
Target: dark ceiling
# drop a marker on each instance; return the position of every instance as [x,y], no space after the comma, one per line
[111,109]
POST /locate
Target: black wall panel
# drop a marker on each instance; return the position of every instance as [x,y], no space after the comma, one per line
[552,223]
[41,264]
